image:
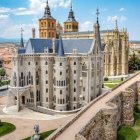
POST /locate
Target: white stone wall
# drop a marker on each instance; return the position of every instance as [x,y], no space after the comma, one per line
[80,79]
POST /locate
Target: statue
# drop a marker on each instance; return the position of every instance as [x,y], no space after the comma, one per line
[36,136]
[36,129]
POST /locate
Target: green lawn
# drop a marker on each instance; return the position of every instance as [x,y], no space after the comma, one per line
[130,133]
[126,133]
[44,135]
[113,81]
[6,128]
[110,85]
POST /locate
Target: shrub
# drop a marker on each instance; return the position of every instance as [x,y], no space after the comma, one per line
[105,79]
[126,133]
[137,108]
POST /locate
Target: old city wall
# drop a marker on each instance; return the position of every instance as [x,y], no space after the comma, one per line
[118,110]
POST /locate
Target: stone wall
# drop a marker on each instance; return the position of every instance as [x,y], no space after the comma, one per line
[117,111]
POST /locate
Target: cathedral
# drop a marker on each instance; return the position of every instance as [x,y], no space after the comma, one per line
[55,72]
[114,42]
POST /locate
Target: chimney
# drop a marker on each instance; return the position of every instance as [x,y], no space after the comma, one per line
[33,32]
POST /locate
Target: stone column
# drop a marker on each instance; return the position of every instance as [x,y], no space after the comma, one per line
[138,91]
[127,107]
[110,122]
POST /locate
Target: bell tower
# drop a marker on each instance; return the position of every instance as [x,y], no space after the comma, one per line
[71,25]
[47,24]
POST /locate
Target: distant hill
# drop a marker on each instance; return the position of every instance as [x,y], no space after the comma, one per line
[7,40]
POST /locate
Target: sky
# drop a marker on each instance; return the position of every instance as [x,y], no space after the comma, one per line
[17,14]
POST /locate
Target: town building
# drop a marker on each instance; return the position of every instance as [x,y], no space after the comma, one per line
[60,74]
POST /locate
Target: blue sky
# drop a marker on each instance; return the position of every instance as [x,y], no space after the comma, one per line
[15,14]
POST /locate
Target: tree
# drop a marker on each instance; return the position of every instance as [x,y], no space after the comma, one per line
[134,63]
[2,72]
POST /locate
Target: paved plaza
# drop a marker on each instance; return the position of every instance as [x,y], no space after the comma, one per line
[26,119]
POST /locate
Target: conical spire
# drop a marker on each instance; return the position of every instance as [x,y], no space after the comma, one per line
[71,16]
[47,12]
[97,31]
[21,41]
[60,47]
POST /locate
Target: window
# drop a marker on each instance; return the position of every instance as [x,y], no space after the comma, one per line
[46,82]
[60,91]
[74,63]
[28,63]
[60,72]
[46,72]
[74,90]
[83,88]
[46,90]
[74,81]
[84,74]
[74,71]
[47,99]
[74,98]
[46,63]
[36,63]
[31,95]
[60,64]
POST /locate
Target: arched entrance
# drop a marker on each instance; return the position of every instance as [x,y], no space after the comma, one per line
[23,99]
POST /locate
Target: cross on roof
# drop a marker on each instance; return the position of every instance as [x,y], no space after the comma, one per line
[21,31]
[97,13]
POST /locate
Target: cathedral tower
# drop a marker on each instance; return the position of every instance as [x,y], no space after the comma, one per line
[71,25]
[47,24]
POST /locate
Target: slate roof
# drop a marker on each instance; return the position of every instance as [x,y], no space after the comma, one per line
[38,45]
[87,32]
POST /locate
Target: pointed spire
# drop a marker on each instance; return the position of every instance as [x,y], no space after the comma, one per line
[97,31]
[71,16]
[21,41]
[60,47]
[116,24]
[97,13]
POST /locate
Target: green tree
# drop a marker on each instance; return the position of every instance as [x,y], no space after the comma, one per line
[134,63]
[2,72]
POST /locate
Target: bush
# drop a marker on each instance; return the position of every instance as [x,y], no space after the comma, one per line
[137,108]
[126,133]
[2,72]
[136,116]
[105,79]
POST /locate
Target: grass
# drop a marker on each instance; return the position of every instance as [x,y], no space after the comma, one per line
[110,85]
[113,81]
[130,133]
[6,128]
[126,133]
[43,135]
[136,127]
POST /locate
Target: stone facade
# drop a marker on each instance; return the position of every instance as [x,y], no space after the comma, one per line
[59,78]
[116,49]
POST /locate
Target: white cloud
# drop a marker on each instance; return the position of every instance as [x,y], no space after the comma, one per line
[35,7]
[113,18]
[14,31]
[4,10]
[122,9]
[122,18]
[86,26]
[3,17]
